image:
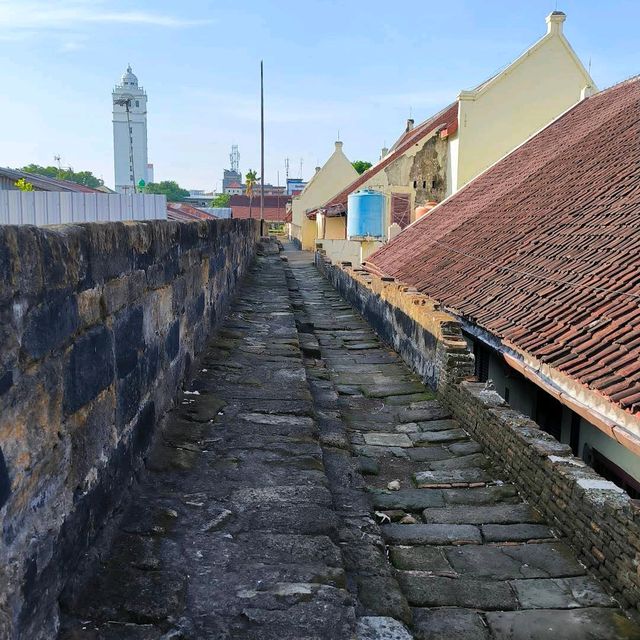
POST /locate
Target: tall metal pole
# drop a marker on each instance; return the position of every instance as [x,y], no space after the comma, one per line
[261,142]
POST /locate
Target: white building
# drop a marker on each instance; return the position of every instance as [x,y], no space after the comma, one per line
[130,134]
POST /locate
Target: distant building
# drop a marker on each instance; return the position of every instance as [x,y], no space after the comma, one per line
[295,186]
[336,174]
[199,198]
[230,177]
[131,163]
[275,207]
[234,188]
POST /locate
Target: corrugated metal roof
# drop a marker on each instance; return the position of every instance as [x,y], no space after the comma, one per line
[543,249]
[44,183]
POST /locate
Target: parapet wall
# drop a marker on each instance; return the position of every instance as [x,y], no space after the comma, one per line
[600,521]
[99,324]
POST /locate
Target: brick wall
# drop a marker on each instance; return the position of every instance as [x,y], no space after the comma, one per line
[600,521]
[99,324]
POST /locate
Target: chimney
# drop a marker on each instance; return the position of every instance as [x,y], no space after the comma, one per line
[586,92]
[384,152]
[410,124]
[554,21]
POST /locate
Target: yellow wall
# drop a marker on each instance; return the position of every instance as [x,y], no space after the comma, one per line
[508,109]
[332,228]
[336,174]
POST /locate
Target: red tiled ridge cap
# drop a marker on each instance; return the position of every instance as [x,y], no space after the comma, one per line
[445,118]
[543,248]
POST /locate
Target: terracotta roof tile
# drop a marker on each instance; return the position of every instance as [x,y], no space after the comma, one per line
[543,248]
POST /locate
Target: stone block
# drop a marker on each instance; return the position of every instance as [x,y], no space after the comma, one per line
[89,306]
[88,369]
[381,628]
[439,591]
[122,291]
[442,534]
[172,340]
[128,339]
[448,623]
[50,324]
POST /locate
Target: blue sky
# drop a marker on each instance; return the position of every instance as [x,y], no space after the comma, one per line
[358,68]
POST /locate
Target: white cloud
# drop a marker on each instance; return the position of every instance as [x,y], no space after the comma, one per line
[37,16]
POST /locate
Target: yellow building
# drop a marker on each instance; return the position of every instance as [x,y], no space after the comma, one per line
[436,158]
[334,176]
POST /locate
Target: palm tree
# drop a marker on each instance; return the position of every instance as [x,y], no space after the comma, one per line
[250,180]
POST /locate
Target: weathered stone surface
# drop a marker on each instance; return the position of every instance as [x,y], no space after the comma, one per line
[381,628]
[481,495]
[578,624]
[451,477]
[50,324]
[515,532]
[448,623]
[499,513]
[431,534]
[504,562]
[437,437]
[383,597]
[387,439]
[421,558]
[437,591]
[408,499]
[89,368]
[561,593]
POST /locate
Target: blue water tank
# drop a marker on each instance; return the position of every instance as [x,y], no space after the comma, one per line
[365,215]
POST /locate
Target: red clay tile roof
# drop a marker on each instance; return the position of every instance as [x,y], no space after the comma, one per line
[448,118]
[543,249]
[274,207]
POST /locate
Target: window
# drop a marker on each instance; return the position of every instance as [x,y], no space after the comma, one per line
[424,184]
[137,103]
[415,184]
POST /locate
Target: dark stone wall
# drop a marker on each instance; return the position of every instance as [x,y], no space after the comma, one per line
[98,326]
[599,520]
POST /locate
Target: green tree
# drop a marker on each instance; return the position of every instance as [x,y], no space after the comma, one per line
[85,178]
[169,188]
[221,200]
[250,179]
[361,165]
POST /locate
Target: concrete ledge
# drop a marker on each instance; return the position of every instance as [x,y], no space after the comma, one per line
[99,324]
[601,522]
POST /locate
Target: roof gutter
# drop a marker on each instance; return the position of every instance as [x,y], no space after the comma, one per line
[516,360]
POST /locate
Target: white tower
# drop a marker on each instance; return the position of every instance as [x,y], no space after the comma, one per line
[129,133]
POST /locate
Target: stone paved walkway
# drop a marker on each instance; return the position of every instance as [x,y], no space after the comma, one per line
[265,512]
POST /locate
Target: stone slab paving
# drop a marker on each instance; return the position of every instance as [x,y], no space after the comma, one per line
[231,532]
[308,486]
[471,559]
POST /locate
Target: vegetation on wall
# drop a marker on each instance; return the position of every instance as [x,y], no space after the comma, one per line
[361,165]
[169,188]
[23,185]
[85,178]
